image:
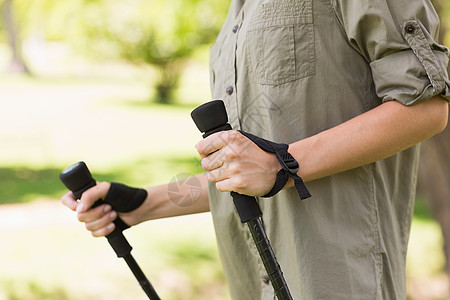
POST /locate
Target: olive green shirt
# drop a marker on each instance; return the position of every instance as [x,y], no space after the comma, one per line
[287,70]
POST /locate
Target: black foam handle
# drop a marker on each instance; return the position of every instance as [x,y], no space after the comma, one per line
[210,118]
[78,179]
[210,115]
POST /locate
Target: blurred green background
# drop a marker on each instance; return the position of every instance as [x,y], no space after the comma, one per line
[112,83]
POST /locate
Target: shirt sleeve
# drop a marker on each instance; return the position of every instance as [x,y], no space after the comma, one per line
[398,40]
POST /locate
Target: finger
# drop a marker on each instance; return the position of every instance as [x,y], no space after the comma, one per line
[92,195]
[226,185]
[213,161]
[94,213]
[69,200]
[98,224]
[235,184]
[217,175]
[104,231]
[213,142]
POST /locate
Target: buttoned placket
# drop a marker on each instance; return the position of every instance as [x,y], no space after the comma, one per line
[231,92]
[230,88]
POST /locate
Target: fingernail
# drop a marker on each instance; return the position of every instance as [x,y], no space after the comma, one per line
[80,207]
[110,226]
[113,215]
[107,208]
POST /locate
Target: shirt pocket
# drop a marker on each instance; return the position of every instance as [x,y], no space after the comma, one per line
[280,42]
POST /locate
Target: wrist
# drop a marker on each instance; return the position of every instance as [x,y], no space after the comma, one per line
[289,166]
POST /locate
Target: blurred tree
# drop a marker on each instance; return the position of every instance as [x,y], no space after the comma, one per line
[17,64]
[162,33]
[434,171]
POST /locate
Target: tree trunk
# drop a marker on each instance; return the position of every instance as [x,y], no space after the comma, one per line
[434,170]
[17,64]
[434,174]
[168,79]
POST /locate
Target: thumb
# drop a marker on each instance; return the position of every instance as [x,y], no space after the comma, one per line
[92,195]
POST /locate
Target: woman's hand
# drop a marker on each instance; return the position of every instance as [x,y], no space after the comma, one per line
[98,220]
[235,163]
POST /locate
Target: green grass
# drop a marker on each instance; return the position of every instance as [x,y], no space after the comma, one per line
[31,290]
[21,184]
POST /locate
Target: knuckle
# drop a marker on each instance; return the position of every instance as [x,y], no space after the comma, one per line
[99,211]
[89,226]
[69,201]
[103,185]
[88,193]
[234,133]
[240,184]
[205,164]
[220,187]
[199,147]
[234,169]
[80,218]
[210,176]
[97,233]
[209,149]
[87,198]
[111,216]
[104,230]
[230,154]
[233,136]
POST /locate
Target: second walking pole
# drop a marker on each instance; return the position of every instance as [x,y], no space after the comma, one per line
[210,118]
[78,179]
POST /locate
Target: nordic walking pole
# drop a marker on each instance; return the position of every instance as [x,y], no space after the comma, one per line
[210,118]
[78,179]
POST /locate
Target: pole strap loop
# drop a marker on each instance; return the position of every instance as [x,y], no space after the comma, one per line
[124,198]
[289,166]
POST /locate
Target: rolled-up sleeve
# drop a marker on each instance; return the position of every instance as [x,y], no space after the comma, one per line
[398,40]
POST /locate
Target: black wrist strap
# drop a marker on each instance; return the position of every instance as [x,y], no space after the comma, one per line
[123,198]
[288,164]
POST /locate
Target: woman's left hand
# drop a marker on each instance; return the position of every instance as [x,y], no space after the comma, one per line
[235,163]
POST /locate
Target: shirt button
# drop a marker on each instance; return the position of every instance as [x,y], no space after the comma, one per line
[266,279]
[229,90]
[410,28]
[235,28]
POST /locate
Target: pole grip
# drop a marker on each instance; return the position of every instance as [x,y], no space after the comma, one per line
[210,118]
[78,179]
[246,206]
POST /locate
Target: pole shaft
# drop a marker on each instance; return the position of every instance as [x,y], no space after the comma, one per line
[269,260]
[210,118]
[140,276]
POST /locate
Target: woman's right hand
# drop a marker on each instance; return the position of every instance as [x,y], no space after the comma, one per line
[158,204]
[98,220]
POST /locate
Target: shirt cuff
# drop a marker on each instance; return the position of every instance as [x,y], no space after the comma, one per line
[415,74]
